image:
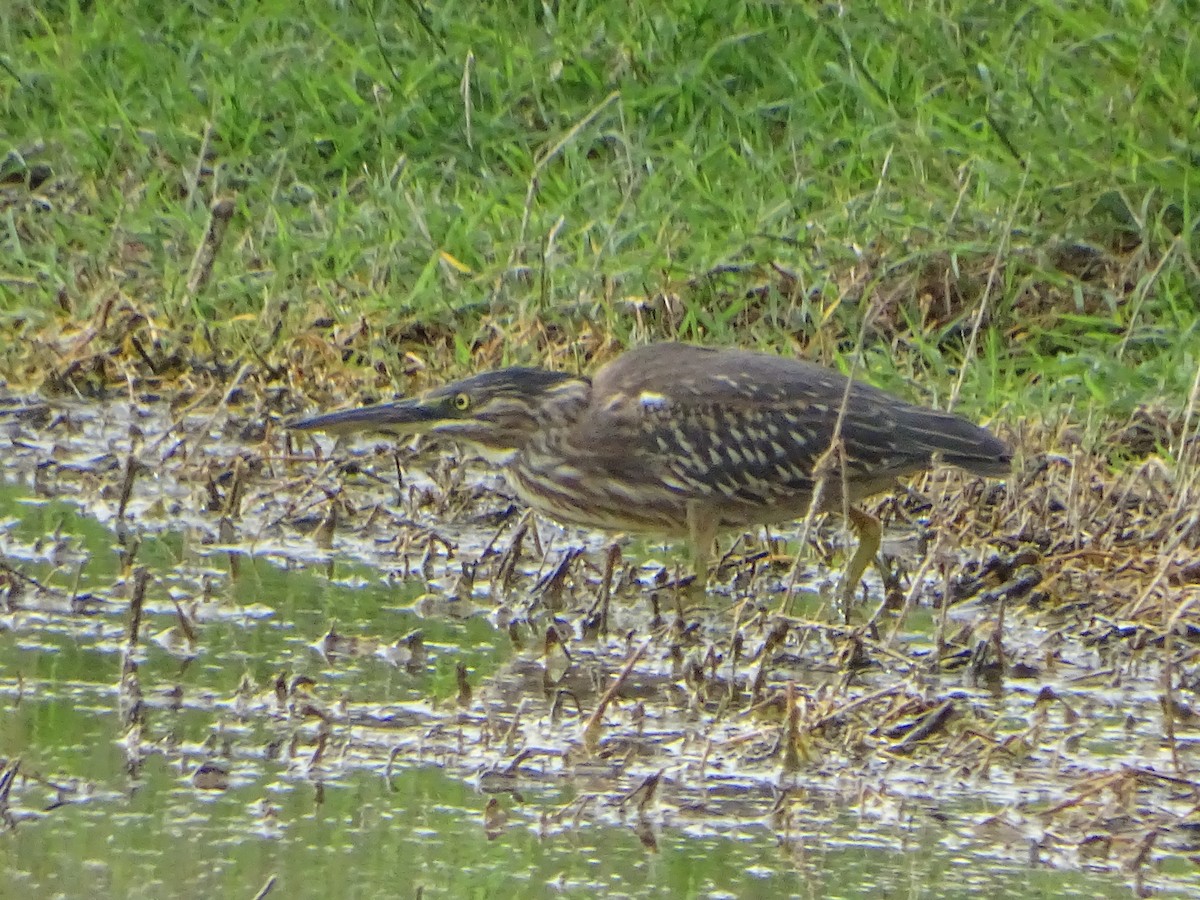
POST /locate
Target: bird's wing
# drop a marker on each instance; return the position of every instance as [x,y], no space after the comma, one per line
[752,426]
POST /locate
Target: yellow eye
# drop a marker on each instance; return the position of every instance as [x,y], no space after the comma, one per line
[461,402]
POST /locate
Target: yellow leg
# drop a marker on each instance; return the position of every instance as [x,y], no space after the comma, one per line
[870,534]
[702,531]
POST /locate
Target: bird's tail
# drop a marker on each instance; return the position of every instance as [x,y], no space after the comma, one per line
[958,442]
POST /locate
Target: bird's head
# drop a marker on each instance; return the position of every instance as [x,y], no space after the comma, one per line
[496,412]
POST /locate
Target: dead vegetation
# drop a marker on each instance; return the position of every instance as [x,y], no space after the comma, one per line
[1048,710]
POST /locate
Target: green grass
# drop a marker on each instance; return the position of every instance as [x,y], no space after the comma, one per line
[478,181]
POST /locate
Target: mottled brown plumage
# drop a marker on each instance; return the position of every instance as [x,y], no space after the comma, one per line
[673,439]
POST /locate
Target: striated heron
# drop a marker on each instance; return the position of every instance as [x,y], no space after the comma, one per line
[677,440]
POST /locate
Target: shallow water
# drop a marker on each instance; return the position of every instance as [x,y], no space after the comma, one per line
[295,710]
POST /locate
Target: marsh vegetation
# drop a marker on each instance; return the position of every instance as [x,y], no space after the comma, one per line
[233,662]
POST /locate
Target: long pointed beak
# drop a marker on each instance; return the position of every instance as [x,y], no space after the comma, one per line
[403,417]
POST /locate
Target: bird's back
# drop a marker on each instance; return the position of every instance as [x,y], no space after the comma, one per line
[745,430]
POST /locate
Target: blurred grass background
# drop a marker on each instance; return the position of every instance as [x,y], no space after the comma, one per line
[992,198]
